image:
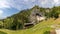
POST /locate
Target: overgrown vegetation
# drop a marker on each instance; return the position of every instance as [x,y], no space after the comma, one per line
[40,28]
[16,21]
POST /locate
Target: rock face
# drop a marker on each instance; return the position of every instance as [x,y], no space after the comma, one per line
[36,16]
[58,31]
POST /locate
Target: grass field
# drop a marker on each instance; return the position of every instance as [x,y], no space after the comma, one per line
[37,29]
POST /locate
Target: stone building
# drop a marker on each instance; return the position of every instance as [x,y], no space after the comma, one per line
[35,17]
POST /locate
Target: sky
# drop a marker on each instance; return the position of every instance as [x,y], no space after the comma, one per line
[10,7]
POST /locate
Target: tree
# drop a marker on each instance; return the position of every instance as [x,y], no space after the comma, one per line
[54,13]
[8,23]
[1,24]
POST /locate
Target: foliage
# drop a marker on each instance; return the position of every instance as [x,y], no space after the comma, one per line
[1,24]
[17,21]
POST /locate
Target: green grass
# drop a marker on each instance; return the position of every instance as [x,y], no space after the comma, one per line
[2,32]
[37,29]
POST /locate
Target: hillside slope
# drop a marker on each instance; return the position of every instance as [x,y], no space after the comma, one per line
[37,29]
[15,23]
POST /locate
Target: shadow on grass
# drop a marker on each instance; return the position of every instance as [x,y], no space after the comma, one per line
[47,32]
[2,32]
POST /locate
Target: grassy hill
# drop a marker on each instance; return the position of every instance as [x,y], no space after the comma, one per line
[37,29]
[15,23]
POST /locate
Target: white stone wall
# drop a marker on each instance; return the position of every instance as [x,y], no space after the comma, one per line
[40,18]
[57,31]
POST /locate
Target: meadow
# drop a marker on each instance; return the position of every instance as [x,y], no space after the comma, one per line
[40,28]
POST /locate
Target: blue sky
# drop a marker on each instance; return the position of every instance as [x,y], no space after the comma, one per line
[10,7]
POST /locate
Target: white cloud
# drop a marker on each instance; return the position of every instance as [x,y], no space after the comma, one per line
[44,2]
[32,0]
[1,12]
[4,4]
[19,4]
[56,2]
[26,0]
[29,0]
